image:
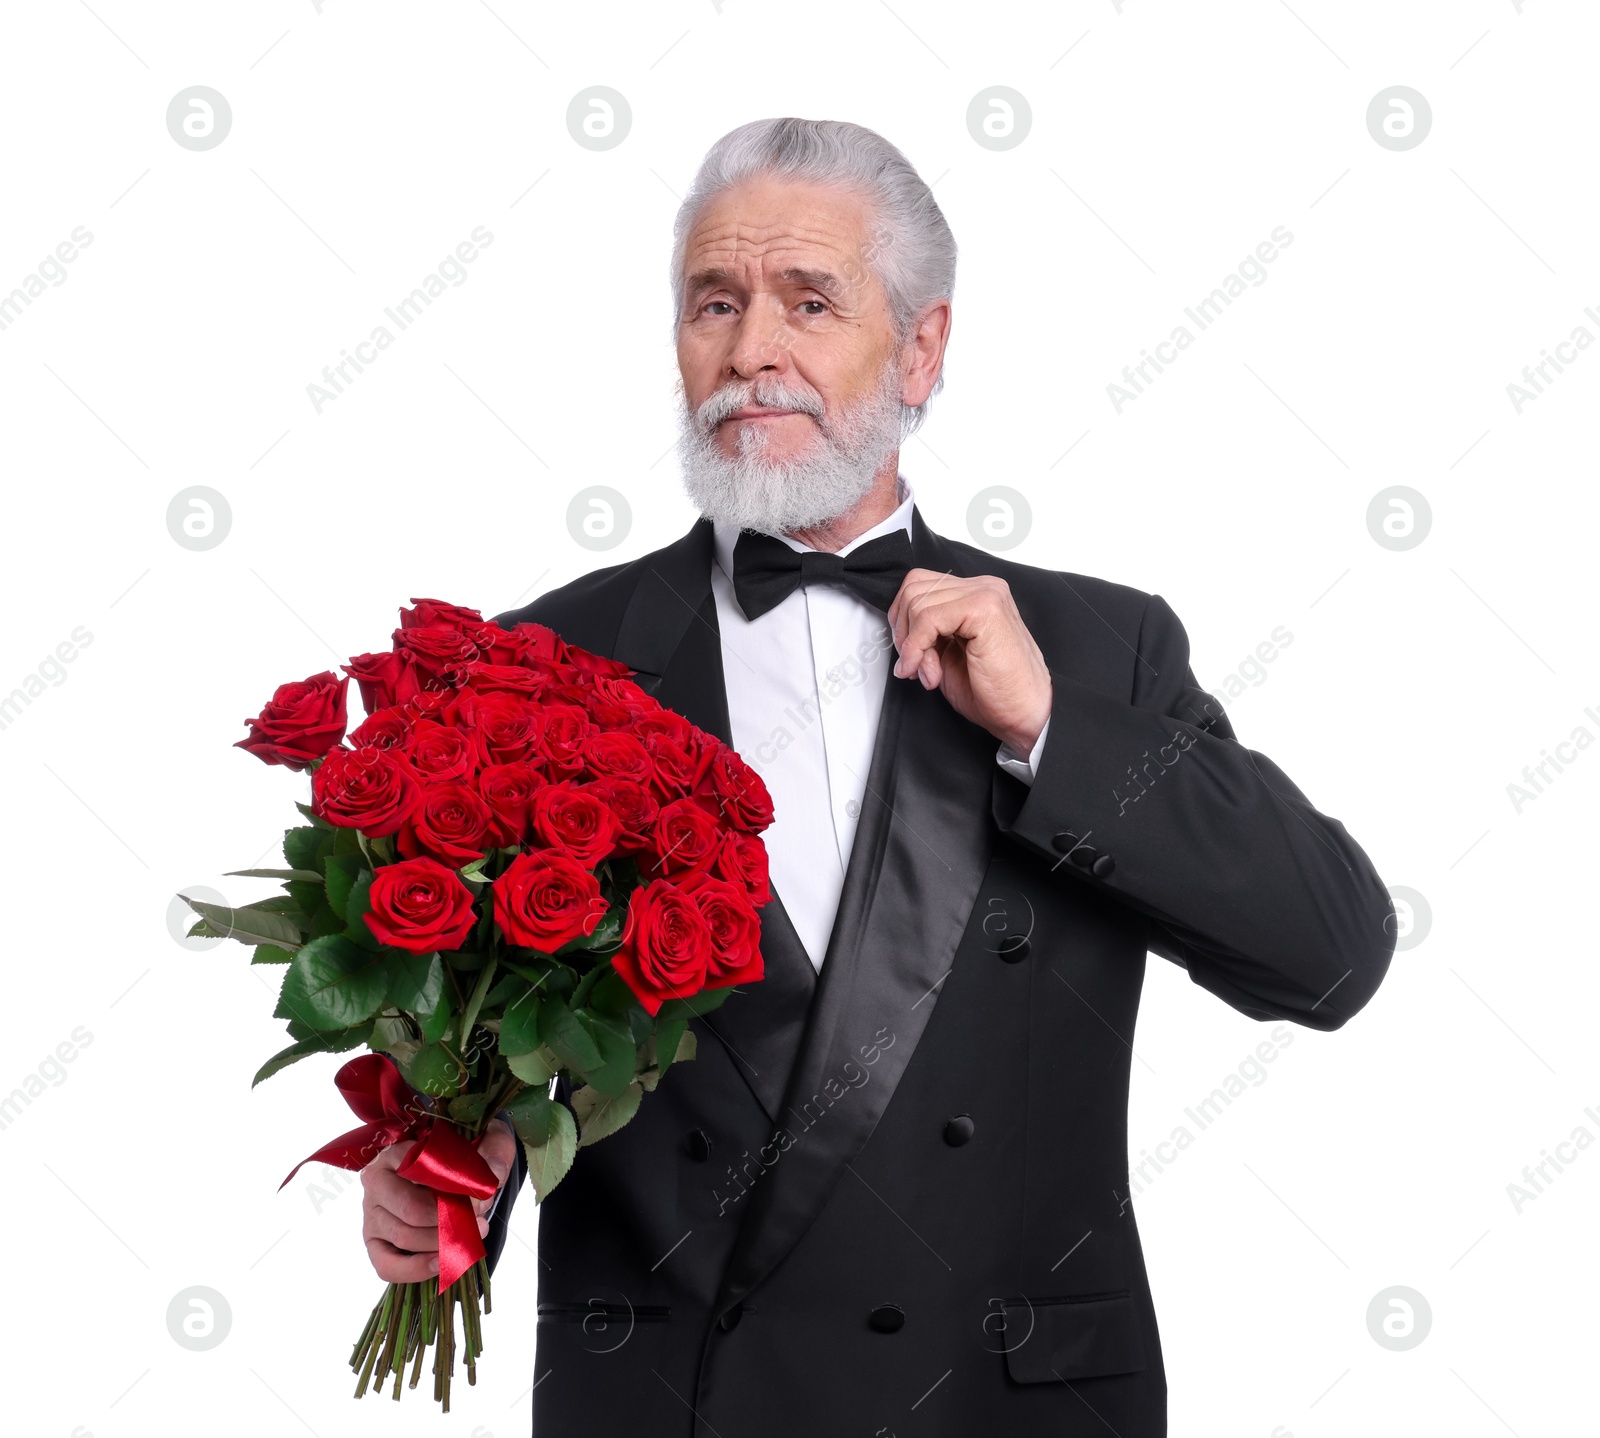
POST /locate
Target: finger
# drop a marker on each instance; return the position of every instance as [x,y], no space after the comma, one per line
[393,1266]
[930,622]
[917,585]
[915,580]
[499,1150]
[409,1202]
[380,1223]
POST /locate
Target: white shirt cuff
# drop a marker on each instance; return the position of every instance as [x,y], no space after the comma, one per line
[1024,767]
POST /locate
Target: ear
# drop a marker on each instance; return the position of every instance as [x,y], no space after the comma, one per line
[923,353]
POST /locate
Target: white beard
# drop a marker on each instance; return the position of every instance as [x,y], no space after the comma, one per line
[778,496]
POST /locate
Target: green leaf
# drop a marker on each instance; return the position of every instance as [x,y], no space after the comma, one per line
[436,1023]
[600,1115]
[668,1038]
[534,1069]
[334,1043]
[618,1056]
[332,984]
[359,904]
[435,1070]
[571,1043]
[468,1109]
[611,995]
[305,848]
[549,1139]
[308,898]
[705,1002]
[312,815]
[311,876]
[393,1036]
[580,995]
[416,981]
[270,954]
[469,1015]
[519,1025]
[505,987]
[281,904]
[606,936]
[248,926]
[342,871]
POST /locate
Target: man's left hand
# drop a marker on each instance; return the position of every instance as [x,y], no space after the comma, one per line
[965,638]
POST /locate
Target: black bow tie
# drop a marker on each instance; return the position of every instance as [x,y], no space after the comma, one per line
[766,571]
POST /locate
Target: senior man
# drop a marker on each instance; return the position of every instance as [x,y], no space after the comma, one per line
[890,1195]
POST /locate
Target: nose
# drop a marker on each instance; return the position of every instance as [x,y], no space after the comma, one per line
[761,343]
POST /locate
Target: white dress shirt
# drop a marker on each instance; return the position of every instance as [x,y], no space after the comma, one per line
[805,686]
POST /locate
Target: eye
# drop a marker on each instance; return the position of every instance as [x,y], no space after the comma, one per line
[814,307]
[719,307]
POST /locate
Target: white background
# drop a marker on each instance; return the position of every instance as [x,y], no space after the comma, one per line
[1167,141]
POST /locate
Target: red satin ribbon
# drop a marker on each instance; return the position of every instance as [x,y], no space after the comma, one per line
[441,1159]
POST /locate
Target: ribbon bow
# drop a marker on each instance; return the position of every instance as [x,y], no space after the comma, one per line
[441,1160]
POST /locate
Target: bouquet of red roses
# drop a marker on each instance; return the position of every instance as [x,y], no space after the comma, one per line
[519,867]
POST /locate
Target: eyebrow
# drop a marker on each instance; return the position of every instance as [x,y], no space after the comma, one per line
[823,281]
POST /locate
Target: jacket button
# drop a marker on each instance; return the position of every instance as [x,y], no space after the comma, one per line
[888,1318]
[1104,867]
[1064,842]
[959,1130]
[1014,949]
[730,1320]
[1084,856]
[698,1145]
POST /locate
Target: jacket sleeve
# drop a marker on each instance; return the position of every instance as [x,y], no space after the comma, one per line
[500,1210]
[1266,902]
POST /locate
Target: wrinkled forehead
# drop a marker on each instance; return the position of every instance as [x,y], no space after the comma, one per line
[767,233]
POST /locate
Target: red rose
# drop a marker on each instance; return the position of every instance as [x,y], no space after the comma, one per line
[303,721]
[735,930]
[450,822]
[503,679]
[524,642]
[419,905]
[685,837]
[566,727]
[386,729]
[435,612]
[508,728]
[508,790]
[596,664]
[617,756]
[666,946]
[384,679]
[678,768]
[572,818]
[435,650]
[626,694]
[441,704]
[439,752]
[742,859]
[667,722]
[740,796]
[635,809]
[367,789]
[546,899]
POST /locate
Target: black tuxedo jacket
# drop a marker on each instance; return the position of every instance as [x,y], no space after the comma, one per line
[892,1198]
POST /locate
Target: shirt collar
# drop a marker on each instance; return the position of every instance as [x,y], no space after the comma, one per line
[725,536]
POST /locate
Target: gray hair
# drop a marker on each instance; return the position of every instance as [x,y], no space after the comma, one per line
[912,252]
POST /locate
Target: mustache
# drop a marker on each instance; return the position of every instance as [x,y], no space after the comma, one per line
[772,393]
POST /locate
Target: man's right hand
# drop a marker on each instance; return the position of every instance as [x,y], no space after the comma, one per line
[400,1219]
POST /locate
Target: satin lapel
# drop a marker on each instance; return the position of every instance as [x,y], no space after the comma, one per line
[919,857]
[669,637]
